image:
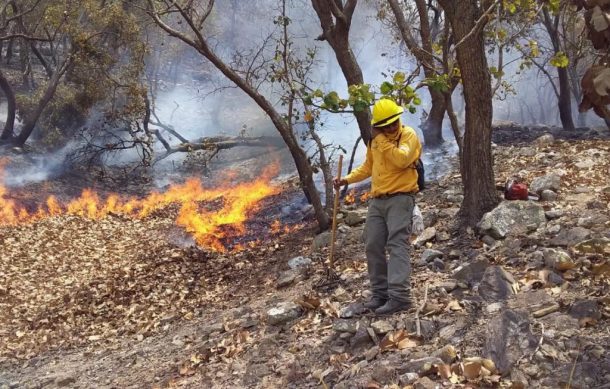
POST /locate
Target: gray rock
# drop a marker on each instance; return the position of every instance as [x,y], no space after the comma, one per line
[553,230]
[427,327]
[510,217]
[283,313]
[548,195]
[286,278]
[64,381]
[429,255]
[321,240]
[558,260]
[299,262]
[548,182]
[508,338]
[594,246]
[352,310]
[561,322]
[449,286]
[382,327]
[437,265]
[361,340]
[496,284]
[545,140]
[420,366]
[454,254]
[356,217]
[349,326]
[591,221]
[471,272]
[554,214]
[555,279]
[455,198]
[408,378]
[528,151]
[585,309]
[488,240]
[426,236]
[582,189]
[424,383]
[571,237]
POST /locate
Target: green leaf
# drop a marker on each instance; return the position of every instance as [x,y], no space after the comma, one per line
[360,106]
[412,109]
[560,60]
[416,101]
[386,88]
[399,77]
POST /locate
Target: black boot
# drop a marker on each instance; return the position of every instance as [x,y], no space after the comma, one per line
[375,303]
[393,306]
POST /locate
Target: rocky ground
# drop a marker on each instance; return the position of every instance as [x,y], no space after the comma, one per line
[521,301]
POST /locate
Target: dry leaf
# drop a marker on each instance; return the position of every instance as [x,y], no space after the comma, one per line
[471,370]
[454,305]
[444,371]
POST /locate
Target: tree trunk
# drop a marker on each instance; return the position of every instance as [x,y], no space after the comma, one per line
[335,25]
[480,194]
[564,103]
[433,127]
[30,120]
[9,126]
[582,119]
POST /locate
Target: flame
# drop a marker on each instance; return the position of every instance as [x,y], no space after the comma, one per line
[208,223]
[350,197]
[365,196]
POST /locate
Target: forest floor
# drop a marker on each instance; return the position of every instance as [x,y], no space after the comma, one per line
[123,303]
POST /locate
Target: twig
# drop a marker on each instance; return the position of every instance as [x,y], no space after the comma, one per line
[417,323]
[569,385]
[540,341]
[333,235]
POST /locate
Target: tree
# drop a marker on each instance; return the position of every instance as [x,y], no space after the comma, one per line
[468,20]
[193,17]
[335,20]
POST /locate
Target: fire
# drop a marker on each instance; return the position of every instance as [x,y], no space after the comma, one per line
[350,197]
[210,215]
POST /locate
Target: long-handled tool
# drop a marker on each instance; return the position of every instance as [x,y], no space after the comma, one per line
[331,259]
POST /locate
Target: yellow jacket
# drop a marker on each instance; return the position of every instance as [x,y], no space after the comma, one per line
[391,166]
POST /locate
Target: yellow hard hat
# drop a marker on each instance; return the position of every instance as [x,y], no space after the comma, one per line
[385,111]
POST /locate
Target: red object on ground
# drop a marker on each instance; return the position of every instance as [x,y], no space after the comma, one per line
[516,191]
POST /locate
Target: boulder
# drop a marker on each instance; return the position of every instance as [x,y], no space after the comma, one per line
[429,255]
[571,237]
[549,182]
[356,217]
[283,313]
[471,272]
[497,284]
[510,217]
[508,338]
[299,262]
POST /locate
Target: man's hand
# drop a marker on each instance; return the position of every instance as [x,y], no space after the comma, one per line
[375,132]
[339,182]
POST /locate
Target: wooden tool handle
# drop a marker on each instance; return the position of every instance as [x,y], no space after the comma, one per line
[334,227]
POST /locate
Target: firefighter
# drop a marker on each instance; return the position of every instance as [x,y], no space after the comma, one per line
[390,162]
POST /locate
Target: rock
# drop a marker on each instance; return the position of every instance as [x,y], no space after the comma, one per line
[454,254]
[594,246]
[299,262]
[443,236]
[455,198]
[449,286]
[348,326]
[321,240]
[424,383]
[488,240]
[558,260]
[553,230]
[527,151]
[510,217]
[372,353]
[553,214]
[471,272]
[408,378]
[64,381]
[592,221]
[548,195]
[356,217]
[437,265]
[561,322]
[361,340]
[427,327]
[549,182]
[283,313]
[554,279]
[353,310]
[508,338]
[448,354]
[585,309]
[382,327]
[286,278]
[420,366]
[426,236]
[545,140]
[429,255]
[497,284]
[571,237]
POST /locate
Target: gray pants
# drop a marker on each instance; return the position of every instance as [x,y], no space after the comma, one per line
[388,225]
